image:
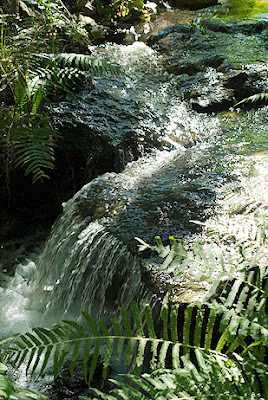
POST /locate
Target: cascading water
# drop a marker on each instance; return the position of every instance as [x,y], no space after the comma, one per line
[90,260]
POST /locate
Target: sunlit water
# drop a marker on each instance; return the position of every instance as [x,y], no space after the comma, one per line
[90,261]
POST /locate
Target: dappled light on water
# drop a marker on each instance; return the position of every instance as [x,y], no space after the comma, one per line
[205,174]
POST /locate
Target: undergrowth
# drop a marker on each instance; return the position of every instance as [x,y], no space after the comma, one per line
[32,73]
[216,350]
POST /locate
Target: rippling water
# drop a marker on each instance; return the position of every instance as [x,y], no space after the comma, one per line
[90,259]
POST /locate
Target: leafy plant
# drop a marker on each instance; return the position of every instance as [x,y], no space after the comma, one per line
[195,351]
[217,377]
[121,10]
[6,386]
[95,65]
[64,72]
[57,16]
[137,331]
[211,262]
[8,389]
[27,138]
[253,99]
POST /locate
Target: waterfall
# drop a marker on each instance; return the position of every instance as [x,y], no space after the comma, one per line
[84,267]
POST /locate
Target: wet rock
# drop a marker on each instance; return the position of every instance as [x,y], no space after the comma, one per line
[234,86]
[211,104]
[246,83]
[215,61]
[86,21]
[99,137]
[180,32]
[175,29]
[70,388]
[129,38]
[182,49]
[236,79]
[247,27]
[17,251]
[164,20]
[189,68]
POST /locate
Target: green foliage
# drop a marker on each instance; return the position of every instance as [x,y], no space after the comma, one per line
[27,138]
[211,262]
[128,340]
[64,72]
[216,351]
[253,99]
[8,390]
[34,148]
[55,15]
[135,335]
[6,386]
[216,378]
[82,62]
[119,10]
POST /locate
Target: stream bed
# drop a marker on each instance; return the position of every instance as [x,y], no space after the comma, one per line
[212,164]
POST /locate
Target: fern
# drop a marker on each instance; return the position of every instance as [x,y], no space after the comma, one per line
[253,99]
[33,143]
[211,262]
[62,73]
[83,62]
[239,308]
[128,341]
[216,378]
[197,353]
[201,262]
[243,307]
[8,389]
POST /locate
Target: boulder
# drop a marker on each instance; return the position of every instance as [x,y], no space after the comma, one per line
[184,67]
[246,27]
[111,133]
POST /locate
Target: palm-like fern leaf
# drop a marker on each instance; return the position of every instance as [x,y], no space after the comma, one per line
[254,98]
[83,62]
[241,300]
[216,378]
[130,340]
[243,305]
[34,147]
[212,262]
[97,65]
[201,262]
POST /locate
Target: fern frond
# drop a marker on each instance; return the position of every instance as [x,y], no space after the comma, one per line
[83,62]
[210,262]
[34,148]
[243,306]
[130,340]
[241,302]
[253,99]
[201,262]
[216,378]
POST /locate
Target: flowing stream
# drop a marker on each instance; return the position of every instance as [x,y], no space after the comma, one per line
[90,259]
